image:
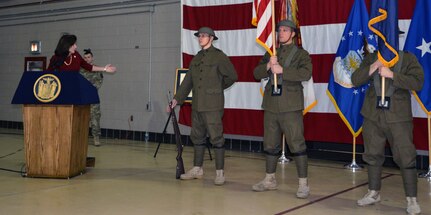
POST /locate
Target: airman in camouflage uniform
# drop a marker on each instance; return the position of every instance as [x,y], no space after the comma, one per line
[96,78]
[283,113]
[210,73]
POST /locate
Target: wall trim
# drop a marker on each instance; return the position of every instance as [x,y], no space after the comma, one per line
[316,150]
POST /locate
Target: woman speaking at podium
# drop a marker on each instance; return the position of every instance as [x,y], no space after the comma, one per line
[66,58]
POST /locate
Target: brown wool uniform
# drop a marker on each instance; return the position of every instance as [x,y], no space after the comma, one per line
[209,74]
[283,114]
[394,124]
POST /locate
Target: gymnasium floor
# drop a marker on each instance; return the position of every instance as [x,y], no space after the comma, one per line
[128,180]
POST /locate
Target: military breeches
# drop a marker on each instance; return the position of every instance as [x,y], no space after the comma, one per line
[290,124]
[95,120]
[207,123]
[399,136]
[203,124]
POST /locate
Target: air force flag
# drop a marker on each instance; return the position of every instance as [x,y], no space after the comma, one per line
[348,99]
[384,23]
[418,42]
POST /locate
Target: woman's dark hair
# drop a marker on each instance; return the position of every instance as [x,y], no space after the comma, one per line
[65,42]
[88,51]
[62,51]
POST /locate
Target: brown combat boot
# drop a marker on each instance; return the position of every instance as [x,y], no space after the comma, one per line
[194,173]
[219,179]
[268,183]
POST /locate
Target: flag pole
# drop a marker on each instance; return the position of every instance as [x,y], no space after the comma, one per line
[382,100]
[354,149]
[427,175]
[274,51]
[353,166]
[283,159]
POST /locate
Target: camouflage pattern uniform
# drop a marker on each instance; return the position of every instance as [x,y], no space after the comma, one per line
[96,78]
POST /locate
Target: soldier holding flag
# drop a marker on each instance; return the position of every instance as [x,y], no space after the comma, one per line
[394,124]
[390,120]
[283,112]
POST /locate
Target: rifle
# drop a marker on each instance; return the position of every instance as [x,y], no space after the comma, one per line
[178,142]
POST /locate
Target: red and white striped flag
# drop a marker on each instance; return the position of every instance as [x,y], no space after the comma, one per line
[262,19]
[322,25]
[281,12]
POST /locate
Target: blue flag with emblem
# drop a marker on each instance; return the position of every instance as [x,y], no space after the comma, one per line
[418,42]
[384,23]
[347,98]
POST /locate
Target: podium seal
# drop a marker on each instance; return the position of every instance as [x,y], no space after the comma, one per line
[47,88]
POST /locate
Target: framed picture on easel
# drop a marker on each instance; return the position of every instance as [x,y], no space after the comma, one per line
[34,64]
[180,74]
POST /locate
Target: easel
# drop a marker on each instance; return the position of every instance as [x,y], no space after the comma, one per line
[164,132]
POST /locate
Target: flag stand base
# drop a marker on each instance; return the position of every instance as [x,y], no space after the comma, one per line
[283,159]
[354,167]
[426,175]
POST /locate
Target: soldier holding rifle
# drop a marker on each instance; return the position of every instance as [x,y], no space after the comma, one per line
[210,73]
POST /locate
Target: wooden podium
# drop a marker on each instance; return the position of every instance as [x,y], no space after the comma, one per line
[55,132]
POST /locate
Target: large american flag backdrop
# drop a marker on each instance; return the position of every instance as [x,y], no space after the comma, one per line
[321,23]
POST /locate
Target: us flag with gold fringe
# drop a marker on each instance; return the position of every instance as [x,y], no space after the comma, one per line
[262,19]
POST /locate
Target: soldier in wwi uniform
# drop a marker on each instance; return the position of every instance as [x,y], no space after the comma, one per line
[283,112]
[210,73]
[392,122]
